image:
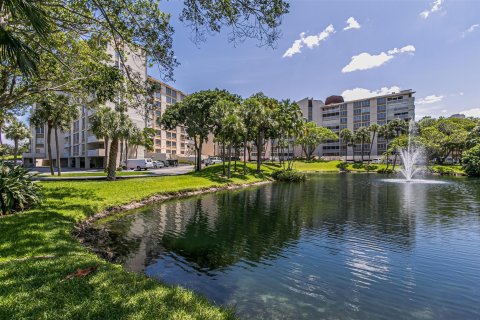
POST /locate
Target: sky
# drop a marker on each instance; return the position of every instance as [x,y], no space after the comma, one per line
[352,48]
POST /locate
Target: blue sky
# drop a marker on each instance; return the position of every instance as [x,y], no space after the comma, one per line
[430,46]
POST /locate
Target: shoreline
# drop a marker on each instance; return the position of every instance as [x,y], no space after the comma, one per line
[87,233]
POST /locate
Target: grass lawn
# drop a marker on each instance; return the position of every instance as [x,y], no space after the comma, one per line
[325,166]
[94,174]
[37,251]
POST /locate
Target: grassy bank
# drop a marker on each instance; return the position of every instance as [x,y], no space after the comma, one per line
[37,252]
[93,174]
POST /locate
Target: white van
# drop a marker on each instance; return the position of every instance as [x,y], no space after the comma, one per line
[377,160]
[213,160]
[139,164]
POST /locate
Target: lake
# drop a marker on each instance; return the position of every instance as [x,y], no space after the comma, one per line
[338,246]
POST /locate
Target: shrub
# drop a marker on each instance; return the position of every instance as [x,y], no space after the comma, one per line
[370,167]
[385,171]
[343,166]
[17,191]
[443,170]
[471,161]
[288,176]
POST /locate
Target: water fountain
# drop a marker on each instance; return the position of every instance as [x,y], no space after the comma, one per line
[411,154]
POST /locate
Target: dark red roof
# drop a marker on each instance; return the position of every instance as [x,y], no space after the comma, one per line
[333,99]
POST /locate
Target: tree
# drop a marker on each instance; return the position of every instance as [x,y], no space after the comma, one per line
[229,127]
[17,131]
[373,128]
[388,134]
[101,124]
[312,136]
[57,112]
[347,136]
[362,136]
[262,122]
[289,123]
[248,109]
[195,114]
[471,161]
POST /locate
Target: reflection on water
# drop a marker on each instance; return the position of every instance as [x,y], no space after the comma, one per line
[336,246]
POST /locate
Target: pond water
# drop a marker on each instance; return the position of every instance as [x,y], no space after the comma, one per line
[338,246]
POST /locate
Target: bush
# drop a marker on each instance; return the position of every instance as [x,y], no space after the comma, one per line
[288,176]
[471,161]
[17,191]
[343,166]
[370,167]
[443,170]
[385,171]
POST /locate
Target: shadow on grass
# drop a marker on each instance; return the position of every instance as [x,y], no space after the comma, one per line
[215,173]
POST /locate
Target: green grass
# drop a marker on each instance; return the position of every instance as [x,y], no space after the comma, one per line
[37,251]
[94,174]
[457,169]
[326,166]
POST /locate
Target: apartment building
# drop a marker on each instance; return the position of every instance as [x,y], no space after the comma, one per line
[337,114]
[168,144]
[80,148]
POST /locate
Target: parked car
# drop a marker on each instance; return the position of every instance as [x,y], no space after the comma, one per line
[139,164]
[172,162]
[377,160]
[213,160]
[158,164]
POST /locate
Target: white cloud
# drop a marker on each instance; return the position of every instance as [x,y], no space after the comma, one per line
[461,93]
[310,41]
[365,60]
[470,30]
[474,112]
[430,99]
[352,24]
[436,6]
[361,93]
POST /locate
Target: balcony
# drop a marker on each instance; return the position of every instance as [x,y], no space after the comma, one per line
[96,153]
[40,140]
[66,145]
[93,138]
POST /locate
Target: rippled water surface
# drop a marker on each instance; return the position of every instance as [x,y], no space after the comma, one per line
[335,247]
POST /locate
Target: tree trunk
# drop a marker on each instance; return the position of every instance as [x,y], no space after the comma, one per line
[346,152]
[126,151]
[199,156]
[362,150]
[223,158]
[1,142]
[394,161]
[112,160]
[370,151]
[229,161]
[49,148]
[105,158]
[15,151]
[259,152]
[122,142]
[59,166]
[245,156]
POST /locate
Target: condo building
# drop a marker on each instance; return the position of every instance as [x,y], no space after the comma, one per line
[80,148]
[168,144]
[337,114]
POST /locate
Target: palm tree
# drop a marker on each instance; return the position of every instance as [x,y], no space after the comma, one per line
[362,136]
[13,46]
[386,133]
[374,130]
[57,112]
[347,136]
[399,126]
[17,131]
[100,126]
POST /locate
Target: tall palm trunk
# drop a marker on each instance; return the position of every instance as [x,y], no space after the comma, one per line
[362,149]
[126,151]
[245,156]
[223,158]
[112,159]
[199,155]
[122,142]
[49,148]
[1,142]
[259,152]
[59,166]
[371,146]
[229,160]
[105,159]
[15,150]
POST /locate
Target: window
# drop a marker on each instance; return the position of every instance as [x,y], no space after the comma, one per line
[366,117]
[381,100]
[343,113]
[40,130]
[363,103]
[381,108]
[343,120]
[357,111]
[381,123]
[357,118]
[381,116]
[366,110]
[343,106]
[158,94]
[158,113]
[158,142]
